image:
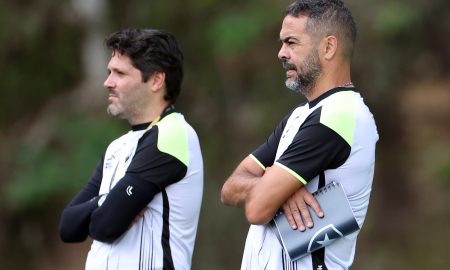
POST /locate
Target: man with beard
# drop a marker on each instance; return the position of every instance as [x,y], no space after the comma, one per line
[142,204]
[330,138]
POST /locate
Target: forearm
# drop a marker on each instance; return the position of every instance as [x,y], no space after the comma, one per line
[113,218]
[75,219]
[236,188]
[238,185]
[268,195]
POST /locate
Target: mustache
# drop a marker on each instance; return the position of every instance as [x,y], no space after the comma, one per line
[112,92]
[288,66]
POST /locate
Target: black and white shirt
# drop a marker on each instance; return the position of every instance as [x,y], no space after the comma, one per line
[334,135]
[158,168]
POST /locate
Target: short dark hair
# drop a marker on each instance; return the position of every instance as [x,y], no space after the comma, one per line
[151,50]
[327,17]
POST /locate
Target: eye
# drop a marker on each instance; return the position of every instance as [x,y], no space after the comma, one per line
[289,42]
[116,72]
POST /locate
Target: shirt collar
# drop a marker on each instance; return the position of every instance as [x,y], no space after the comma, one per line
[328,93]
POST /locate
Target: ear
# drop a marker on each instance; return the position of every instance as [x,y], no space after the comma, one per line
[329,46]
[157,81]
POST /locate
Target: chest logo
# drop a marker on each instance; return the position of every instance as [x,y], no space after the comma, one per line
[129,190]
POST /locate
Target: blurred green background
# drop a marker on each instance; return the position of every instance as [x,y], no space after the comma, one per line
[54,126]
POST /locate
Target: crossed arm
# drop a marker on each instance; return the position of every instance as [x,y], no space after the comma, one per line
[84,217]
[262,192]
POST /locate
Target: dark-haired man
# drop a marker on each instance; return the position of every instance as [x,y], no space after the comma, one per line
[331,138]
[142,203]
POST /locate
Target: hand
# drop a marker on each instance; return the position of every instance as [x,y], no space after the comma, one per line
[138,217]
[296,209]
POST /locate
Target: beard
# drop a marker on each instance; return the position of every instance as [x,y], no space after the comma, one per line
[309,71]
[128,103]
[115,107]
[112,110]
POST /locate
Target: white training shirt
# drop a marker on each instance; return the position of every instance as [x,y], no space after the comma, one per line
[335,135]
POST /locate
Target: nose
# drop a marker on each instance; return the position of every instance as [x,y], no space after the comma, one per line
[108,83]
[283,53]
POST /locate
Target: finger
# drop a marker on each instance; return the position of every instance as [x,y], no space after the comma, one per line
[314,205]
[296,213]
[305,215]
[288,214]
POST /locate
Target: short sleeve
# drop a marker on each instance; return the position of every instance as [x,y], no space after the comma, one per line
[314,149]
[266,152]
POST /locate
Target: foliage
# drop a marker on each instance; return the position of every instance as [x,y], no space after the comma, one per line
[62,164]
[39,56]
[233,95]
[396,18]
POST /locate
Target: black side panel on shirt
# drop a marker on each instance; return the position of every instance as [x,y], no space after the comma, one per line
[165,239]
[318,259]
[318,256]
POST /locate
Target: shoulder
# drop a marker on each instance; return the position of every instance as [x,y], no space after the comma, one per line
[341,103]
[338,112]
[174,136]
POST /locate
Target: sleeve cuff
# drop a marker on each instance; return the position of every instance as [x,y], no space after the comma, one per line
[257,161]
[293,173]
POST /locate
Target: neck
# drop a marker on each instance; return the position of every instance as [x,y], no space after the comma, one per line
[337,77]
[152,113]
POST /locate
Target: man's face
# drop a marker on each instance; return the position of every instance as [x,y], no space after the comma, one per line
[127,93]
[299,55]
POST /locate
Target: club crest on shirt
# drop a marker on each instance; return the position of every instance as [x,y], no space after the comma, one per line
[110,160]
[128,157]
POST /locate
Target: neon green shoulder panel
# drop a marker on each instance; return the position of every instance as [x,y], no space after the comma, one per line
[339,115]
[172,137]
